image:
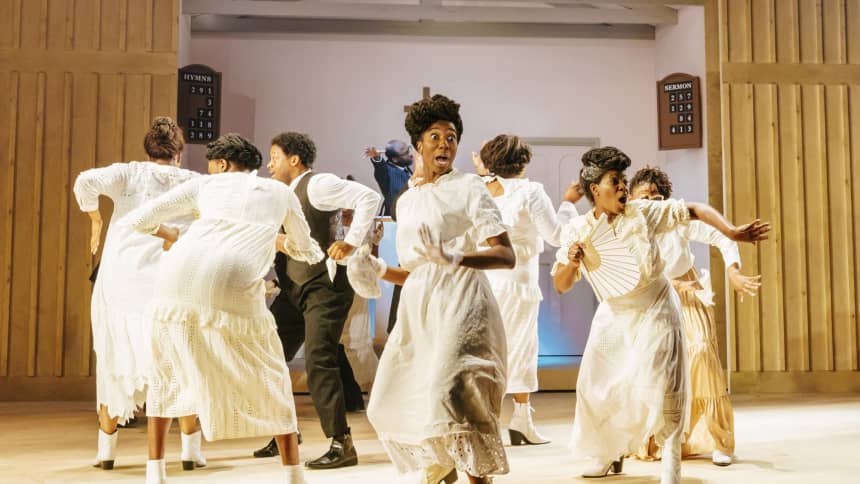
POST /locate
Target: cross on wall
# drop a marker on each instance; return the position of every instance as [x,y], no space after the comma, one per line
[425,94]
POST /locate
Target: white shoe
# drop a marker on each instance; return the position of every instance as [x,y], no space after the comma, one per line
[294,474]
[107,450]
[156,472]
[720,459]
[522,428]
[191,455]
[615,466]
[436,474]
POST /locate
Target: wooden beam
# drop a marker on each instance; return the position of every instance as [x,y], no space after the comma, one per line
[440,13]
[778,73]
[38,60]
[231,24]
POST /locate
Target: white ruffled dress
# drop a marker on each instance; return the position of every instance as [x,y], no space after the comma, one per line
[441,379]
[632,381]
[126,279]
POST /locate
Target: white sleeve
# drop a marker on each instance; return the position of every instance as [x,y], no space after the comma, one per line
[329,192]
[109,181]
[701,232]
[181,200]
[549,223]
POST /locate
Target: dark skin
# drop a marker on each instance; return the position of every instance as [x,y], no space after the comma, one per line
[288,444]
[437,149]
[610,197]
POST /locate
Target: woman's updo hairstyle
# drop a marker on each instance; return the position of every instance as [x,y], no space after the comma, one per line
[596,162]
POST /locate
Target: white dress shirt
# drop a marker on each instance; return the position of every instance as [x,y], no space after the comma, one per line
[328,192]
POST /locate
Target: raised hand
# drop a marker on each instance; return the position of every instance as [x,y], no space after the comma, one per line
[372,152]
[742,284]
[752,232]
[433,250]
[480,169]
[574,192]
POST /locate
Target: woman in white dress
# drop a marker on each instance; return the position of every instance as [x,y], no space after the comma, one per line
[216,350]
[438,391]
[527,210]
[632,381]
[126,280]
[710,403]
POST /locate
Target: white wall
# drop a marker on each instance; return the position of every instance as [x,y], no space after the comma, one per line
[681,48]
[348,92]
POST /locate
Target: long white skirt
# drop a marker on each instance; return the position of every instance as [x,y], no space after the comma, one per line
[441,379]
[227,369]
[520,307]
[121,343]
[632,381]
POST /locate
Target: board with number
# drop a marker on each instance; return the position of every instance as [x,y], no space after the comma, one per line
[199,103]
[679,112]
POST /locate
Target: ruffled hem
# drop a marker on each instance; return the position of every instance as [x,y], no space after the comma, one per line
[474,453]
[168,312]
[507,288]
[121,394]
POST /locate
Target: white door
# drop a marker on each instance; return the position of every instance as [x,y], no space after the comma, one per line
[565,320]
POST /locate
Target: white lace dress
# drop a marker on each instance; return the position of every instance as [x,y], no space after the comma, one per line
[441,379]
[126,279]
[216,350]
[528,211]
[632,380]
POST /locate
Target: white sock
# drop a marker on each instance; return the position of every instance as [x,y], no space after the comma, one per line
[294,474]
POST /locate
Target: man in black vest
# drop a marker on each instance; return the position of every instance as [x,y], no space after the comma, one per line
[315,299]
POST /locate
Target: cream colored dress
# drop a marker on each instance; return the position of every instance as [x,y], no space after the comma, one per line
[441,379]
[126,279]
[632,380]
[711,417]
[216,350]
[527,210]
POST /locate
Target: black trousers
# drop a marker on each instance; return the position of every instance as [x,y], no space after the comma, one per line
[314,314]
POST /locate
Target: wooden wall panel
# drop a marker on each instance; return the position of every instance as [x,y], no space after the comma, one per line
[8,145]
[791,124]
[70,99]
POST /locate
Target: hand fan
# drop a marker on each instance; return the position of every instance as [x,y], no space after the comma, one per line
[609,266]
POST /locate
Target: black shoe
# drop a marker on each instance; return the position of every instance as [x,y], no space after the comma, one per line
[355,404]
[271,449]
[340,454]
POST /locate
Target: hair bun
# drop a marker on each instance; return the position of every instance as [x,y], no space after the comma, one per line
[163,127]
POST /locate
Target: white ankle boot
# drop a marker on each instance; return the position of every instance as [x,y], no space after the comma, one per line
[436,474]
[522,428]
[603,470]
[294,474]
[107,450]
[671,459]
[191,455]
[156,472]
[720,459]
